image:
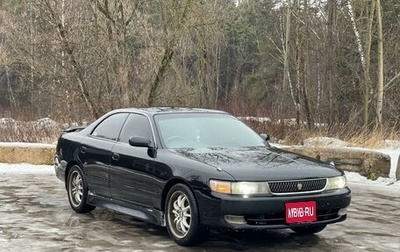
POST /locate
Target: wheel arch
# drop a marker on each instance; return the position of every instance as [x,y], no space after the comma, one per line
[67,169]
[168,186]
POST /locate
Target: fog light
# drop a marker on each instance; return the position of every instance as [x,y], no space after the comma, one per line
[235,219]
[342,211]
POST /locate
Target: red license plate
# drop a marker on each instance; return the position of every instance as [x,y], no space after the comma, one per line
[300,212]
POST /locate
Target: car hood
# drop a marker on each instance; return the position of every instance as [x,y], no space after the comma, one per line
[261,163]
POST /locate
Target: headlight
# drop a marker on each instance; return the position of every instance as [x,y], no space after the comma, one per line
[239,188]
[336,183]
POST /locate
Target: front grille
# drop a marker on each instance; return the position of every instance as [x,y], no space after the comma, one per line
[297,186]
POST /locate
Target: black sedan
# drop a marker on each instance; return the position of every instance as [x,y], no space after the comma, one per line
[195,169]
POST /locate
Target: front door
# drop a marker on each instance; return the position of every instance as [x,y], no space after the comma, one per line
[132,169]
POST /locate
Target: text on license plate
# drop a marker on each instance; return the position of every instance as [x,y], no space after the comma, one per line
[300,212]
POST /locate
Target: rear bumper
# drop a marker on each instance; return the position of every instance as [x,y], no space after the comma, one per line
[59,167]
[268,212]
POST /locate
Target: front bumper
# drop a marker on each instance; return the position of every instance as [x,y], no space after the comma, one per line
[268,212]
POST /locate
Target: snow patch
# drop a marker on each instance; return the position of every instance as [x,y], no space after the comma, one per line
[255,119]
[26,169]
[26,145]
[356,178]
[46,122]
[394,158]
[6,120]
[325,142]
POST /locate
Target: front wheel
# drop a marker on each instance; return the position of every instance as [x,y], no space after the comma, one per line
[182,216]
[78,191]
[309,229]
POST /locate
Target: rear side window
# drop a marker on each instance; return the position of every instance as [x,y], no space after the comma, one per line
[110,127]
[136,125]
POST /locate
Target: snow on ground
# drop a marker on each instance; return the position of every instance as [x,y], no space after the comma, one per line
[26,145]
[394,154]
[25,169]
[388,184]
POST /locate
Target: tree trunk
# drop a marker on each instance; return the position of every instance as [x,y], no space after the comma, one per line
[286,58]
[330,51]
[365,56]
[379,100]
[306,70]
[298,62]
[367,78]
[10,90]
[165,62]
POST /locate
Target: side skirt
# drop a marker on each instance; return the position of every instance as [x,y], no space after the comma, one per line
[145,214]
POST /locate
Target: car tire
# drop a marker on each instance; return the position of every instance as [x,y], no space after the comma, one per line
[77,190]
[182,216]
[309,229]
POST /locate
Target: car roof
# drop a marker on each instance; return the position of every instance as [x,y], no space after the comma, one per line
[168,110]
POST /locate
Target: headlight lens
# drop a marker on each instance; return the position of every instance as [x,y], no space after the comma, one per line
[336,183]
[239,188]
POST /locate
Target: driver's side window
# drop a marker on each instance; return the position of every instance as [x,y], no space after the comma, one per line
[136,125]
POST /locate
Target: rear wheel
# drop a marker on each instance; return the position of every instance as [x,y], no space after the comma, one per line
[309,229]
[182,216]
[78,191]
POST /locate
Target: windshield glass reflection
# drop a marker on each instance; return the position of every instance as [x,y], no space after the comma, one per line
[196,131]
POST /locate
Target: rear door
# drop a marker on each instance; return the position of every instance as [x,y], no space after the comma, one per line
[95,153]
[131,172]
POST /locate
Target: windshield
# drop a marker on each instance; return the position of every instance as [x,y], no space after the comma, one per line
[205,130]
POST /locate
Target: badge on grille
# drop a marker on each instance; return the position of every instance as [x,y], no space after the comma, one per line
[299,186]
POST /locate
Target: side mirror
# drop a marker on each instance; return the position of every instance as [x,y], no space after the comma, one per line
[265,137]
[139,141]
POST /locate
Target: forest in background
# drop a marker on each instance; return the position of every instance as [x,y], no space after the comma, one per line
[335,62]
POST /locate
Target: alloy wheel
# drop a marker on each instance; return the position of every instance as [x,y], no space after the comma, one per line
[75,188]
[179,211]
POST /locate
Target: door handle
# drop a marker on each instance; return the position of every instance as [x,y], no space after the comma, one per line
[115,156]
[83,149]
